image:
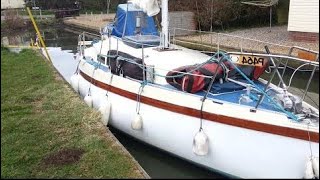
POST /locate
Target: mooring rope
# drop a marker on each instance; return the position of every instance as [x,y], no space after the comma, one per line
[143,83]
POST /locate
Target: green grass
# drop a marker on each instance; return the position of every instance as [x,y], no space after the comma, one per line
[41,114]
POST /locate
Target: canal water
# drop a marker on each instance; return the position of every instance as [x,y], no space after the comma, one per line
[62,43]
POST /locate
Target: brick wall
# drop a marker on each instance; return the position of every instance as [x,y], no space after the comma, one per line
[183,20]
[304,36]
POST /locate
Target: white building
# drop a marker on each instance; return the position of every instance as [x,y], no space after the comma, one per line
[303,22]
[12,4]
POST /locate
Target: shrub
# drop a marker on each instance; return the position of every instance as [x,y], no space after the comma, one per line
[13,20]
[225,13]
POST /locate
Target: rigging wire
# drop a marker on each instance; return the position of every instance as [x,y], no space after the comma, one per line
[143,83]
[125,21]
[295,73]
[214,60]
[199,24]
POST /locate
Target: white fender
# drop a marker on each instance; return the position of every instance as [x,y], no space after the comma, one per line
[96,100]
[88,100]
[200,143]
[105,110]
[136,124]
[75,82]
[315,166]
[308,173]
[83,87]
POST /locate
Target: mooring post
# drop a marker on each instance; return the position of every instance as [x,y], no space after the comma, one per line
[40,14]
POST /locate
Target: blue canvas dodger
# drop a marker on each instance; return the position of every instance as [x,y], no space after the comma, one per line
[126,22]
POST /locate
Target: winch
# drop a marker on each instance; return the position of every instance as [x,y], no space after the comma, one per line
[289,102]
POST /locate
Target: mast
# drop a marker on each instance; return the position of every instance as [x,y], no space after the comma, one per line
[165,24]
[151,8]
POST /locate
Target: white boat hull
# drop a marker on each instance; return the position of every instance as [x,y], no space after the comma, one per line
[233,150]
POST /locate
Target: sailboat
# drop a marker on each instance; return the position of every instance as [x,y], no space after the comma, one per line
[213,110]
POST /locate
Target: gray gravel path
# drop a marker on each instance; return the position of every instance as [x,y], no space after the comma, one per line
[254,39]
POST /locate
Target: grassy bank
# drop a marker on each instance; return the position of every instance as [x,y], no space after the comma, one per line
[47,131]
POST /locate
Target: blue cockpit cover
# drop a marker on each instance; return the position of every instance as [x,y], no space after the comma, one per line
[128,24]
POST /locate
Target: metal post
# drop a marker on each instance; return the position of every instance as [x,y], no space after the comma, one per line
[276,69]
[218,43]
[109,41]
[241,45]
[79,43]
[83,45]
[109,36]
[108,6]
[165,24]
[285,65]
[211,41]
[117,46]
[174,35]
[273,73]
[270,17]
[309,81]
[84,38]
[144,68]
[201,39]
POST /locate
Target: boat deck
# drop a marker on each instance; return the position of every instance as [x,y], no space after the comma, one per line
[219,93]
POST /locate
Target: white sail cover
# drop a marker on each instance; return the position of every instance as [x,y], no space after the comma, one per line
[150,7]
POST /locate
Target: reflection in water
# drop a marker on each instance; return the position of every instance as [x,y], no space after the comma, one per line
[53,37]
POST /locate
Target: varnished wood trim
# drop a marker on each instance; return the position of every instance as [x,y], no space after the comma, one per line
[258,126]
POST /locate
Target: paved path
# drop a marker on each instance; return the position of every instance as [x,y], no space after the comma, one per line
[254,39]
[93,22]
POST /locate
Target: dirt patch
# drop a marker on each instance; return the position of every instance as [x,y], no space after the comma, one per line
[37,104]
[63,157]
[36,77]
